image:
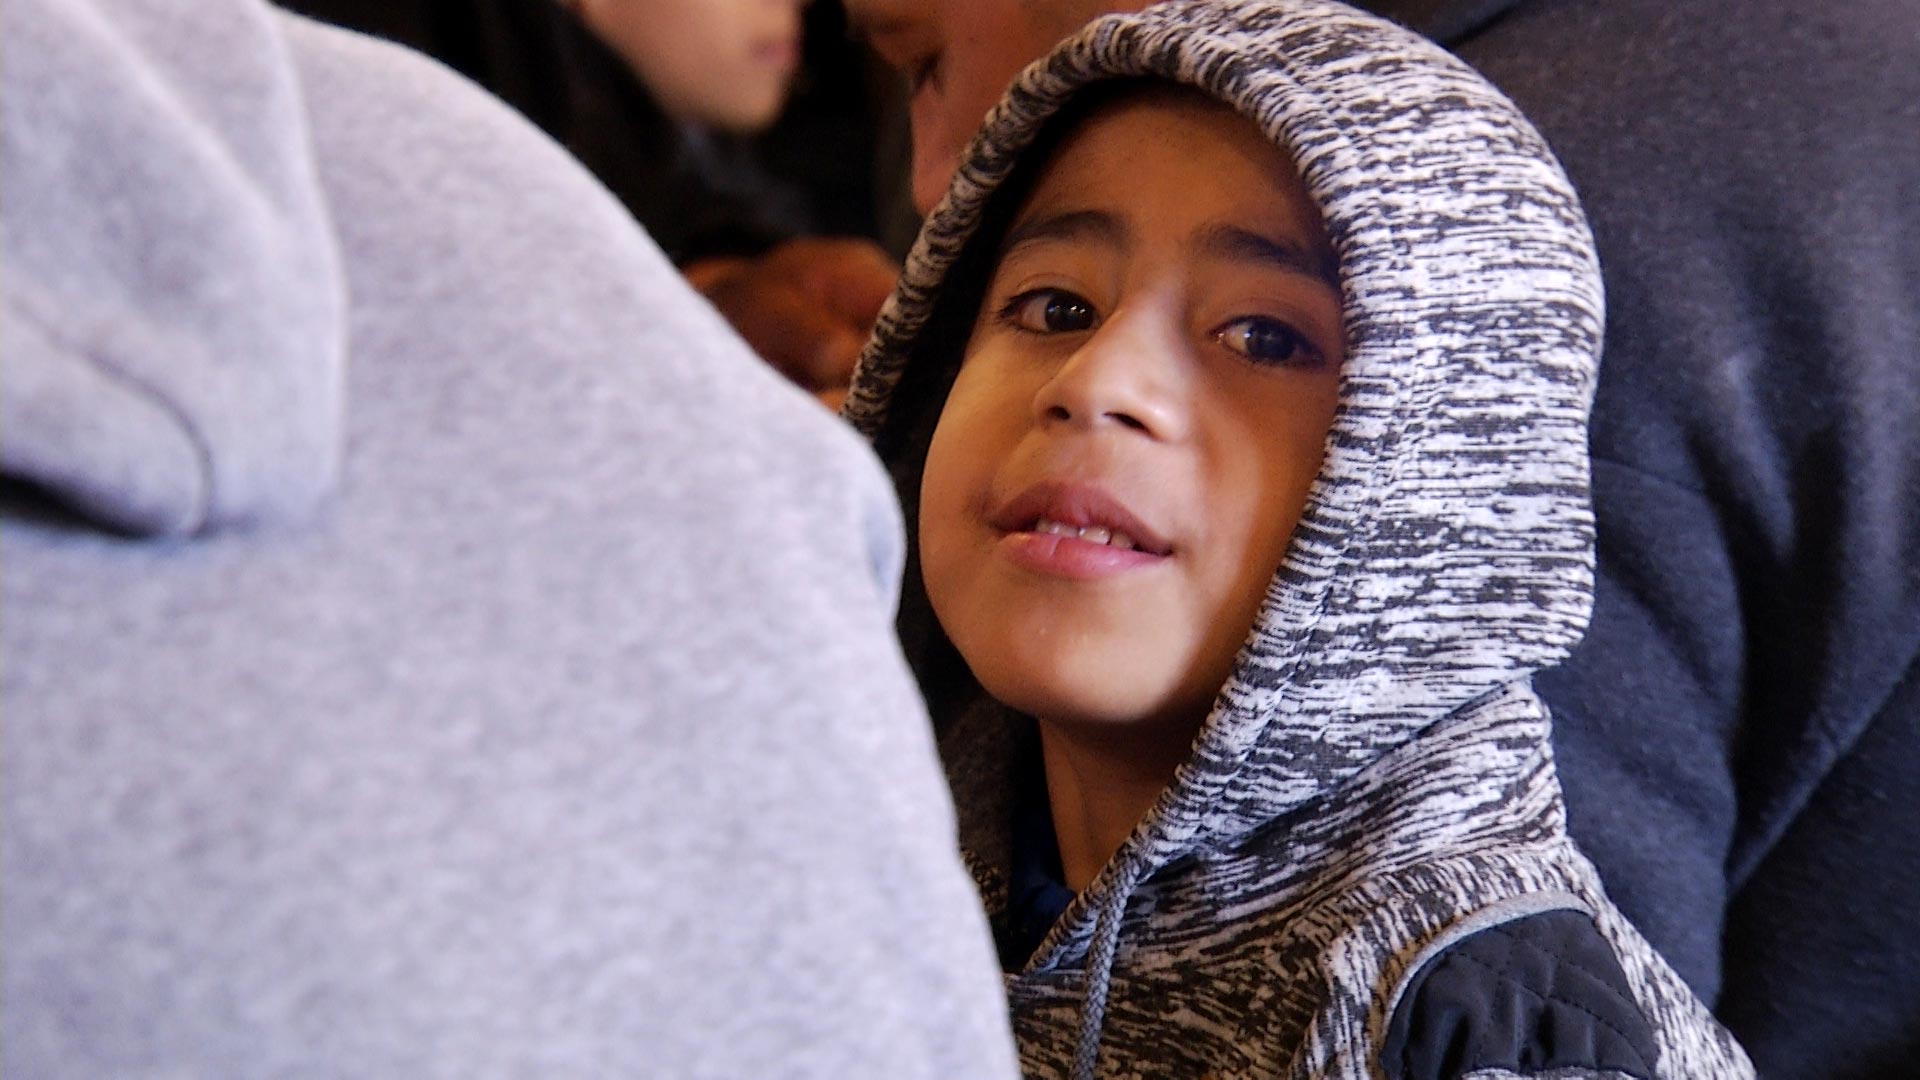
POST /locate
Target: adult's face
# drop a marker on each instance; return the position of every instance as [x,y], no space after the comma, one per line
[958,57]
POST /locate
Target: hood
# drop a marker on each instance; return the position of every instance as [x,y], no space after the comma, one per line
[1446,547]
[174,326]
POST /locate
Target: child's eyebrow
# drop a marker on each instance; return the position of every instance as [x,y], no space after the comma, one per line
[1097,225]
[1233,242]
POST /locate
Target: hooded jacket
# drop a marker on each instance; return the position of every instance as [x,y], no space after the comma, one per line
[1363,869]
[398,681]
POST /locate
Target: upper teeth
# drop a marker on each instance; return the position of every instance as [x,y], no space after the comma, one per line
[1093,534]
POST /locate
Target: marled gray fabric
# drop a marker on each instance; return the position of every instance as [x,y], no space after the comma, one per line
[468,661]
[1376,775]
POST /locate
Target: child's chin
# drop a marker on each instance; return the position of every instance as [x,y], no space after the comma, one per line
[1095,705]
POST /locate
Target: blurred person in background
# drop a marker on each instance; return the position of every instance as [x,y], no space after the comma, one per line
[435,646]
[726,64]
[1753,179]
[669,103]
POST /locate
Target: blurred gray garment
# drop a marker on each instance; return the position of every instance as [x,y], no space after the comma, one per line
[434,645]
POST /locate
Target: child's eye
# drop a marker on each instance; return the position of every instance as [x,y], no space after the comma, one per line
[1267,341]
[1049,311]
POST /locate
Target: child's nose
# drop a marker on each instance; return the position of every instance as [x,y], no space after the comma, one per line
[1125,375]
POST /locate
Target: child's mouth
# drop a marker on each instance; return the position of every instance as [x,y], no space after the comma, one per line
[1064,551]
[1076,531]
[1077,510]
[1092,534]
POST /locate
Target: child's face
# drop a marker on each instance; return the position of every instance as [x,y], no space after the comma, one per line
[724,63]
[1158,356]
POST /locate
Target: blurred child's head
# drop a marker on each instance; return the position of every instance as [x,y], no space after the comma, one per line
[957,56]
[1140,410]
[726,64]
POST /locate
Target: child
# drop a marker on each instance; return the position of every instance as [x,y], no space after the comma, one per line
[1239,389]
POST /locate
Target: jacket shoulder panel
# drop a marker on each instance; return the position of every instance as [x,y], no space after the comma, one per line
[1533,997]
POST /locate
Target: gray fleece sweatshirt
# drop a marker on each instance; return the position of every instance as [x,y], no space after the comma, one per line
[1363,869]
[434,646]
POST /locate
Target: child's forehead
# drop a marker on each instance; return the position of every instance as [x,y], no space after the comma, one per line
[1148,153]
[1117,118]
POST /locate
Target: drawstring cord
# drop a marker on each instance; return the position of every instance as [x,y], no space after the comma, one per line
[1099,972]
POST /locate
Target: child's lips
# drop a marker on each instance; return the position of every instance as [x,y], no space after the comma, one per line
[1079,505]
[1075,530]
[1072,557]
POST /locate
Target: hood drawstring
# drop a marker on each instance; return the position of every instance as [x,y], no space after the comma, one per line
[1099,970]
